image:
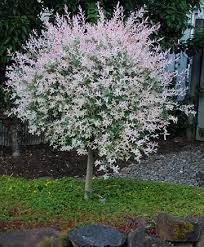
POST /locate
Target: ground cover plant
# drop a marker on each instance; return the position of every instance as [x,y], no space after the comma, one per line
[59,202]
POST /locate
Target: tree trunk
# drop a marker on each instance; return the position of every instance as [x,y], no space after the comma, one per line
[89,174]
[14,140]
[190,130]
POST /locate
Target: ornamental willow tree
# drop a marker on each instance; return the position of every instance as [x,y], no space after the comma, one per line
[97,88]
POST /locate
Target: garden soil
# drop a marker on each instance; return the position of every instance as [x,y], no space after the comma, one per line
[43,161]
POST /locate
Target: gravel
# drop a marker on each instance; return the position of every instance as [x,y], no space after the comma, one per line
[179,167]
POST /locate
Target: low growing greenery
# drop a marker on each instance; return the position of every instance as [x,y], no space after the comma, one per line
[59,202]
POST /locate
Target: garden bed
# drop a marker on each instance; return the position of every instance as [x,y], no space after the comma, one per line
[42,161]
[184,166]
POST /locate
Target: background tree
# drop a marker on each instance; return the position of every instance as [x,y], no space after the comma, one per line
[172,16]
[98,88]
[18,19]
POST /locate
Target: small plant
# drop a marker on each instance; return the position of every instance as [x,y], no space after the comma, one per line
[98,87]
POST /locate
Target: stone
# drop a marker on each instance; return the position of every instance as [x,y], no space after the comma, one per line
[201,241]
[139,238]
[200,222]
[136,238]
[27,238]
[200,177]
[183,245]
[173,229]
[96,236]
[154,242]
[60,241]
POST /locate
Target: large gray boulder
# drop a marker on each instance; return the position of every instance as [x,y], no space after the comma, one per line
[96,236]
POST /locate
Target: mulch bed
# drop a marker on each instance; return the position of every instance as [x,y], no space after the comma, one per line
[43,161]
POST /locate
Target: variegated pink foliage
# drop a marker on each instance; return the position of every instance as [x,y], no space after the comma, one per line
[103,86]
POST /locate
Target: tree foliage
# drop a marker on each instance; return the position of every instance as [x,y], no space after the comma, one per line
[18,19]
[171,15]
[100,86]
[195,43]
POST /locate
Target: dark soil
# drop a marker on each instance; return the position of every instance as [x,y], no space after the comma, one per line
[42,161]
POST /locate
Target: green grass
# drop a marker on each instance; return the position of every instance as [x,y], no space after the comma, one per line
[59,202]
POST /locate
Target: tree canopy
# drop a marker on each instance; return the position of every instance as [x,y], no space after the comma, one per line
[20,17]
[171,15]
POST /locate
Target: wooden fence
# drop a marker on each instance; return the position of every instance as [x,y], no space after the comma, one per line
[24,137]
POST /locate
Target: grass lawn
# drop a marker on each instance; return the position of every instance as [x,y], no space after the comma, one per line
[60,203]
